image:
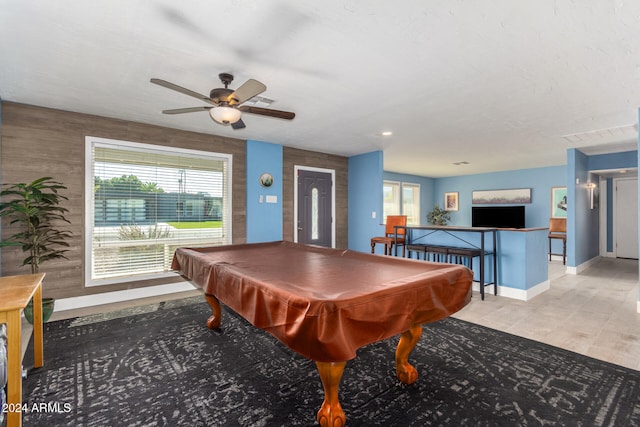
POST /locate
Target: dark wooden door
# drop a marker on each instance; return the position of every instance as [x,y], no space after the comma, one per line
[314,208]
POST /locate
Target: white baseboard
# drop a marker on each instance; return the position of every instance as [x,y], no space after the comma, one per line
[579,269]
[524,294]
[519,294]
[119,296]
[475,286]
[556,257]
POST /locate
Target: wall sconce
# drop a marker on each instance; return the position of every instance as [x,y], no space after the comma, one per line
[593,195]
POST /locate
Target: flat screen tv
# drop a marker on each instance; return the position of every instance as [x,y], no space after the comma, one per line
[497,216]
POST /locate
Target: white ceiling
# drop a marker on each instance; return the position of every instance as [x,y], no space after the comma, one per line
[496,83]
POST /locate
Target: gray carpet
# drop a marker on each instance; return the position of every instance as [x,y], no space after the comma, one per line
[163,367]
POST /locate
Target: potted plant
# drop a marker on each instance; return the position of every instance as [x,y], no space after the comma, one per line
[438,216]
[35,208]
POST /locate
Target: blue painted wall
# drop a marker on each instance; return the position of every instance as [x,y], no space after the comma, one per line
[540,180]
[623,160]
[427,198]
[626,159]
[523,260]
[365,197]
[264,220]
[583,223]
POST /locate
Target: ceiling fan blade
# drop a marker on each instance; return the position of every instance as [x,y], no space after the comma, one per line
[248,90]
[268,112]
[182,90]
[186,110]
[238,125]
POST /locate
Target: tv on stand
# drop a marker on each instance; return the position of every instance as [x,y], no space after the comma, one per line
[497,216]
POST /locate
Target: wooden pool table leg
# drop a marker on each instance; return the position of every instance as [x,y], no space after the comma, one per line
[213,322]
[331,413]
[408,340]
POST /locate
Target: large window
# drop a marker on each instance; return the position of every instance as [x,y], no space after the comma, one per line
[391,197]
[411,202]
[143,201]
[402,198]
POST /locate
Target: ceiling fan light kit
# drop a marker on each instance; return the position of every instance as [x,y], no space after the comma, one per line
[226,103]
[225,115]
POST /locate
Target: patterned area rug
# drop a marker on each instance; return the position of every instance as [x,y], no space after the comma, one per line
[163,367]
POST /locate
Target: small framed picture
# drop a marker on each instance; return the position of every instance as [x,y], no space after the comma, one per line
[451,201]
[266,180]
[558,202]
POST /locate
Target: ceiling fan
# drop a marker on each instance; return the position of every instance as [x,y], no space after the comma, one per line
[226,104]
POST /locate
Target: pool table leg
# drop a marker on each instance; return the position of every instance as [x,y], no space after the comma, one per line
[213,322]
[331,413]
[408,340]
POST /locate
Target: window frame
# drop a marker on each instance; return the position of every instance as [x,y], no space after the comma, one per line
[416,190]
[90,141]
[400,185]
[397,200]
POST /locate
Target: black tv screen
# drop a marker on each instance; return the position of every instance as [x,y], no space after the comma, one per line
[497,216]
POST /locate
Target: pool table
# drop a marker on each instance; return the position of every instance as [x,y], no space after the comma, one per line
[326,303]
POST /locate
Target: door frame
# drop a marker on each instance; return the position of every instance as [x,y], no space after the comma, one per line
[614,204]
[602,184]
[297,168]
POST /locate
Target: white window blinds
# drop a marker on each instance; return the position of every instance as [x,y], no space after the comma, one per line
[144,201]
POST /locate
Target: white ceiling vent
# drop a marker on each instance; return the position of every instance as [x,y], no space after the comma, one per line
[259,101]
[602,136]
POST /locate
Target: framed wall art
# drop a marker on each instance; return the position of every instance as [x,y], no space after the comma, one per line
[558,202]
[451,201]
[501,197]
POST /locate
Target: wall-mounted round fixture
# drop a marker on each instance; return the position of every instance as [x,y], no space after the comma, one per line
[266,180]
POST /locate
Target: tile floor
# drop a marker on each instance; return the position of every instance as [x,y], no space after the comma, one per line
[593,313]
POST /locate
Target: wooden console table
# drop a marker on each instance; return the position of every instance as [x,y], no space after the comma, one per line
[15,294]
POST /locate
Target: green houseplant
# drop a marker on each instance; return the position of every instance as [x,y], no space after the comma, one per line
[438,216]
[35,209]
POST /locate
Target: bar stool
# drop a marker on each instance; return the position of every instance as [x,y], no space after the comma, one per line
[419,248]
[558,230]
[438,253]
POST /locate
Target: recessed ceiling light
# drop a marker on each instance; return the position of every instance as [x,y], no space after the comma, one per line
[386,133]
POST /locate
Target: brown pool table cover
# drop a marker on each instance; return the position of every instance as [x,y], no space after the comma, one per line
[325,303]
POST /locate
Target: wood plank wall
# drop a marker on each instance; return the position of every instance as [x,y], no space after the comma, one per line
[39,142]
[297,157]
